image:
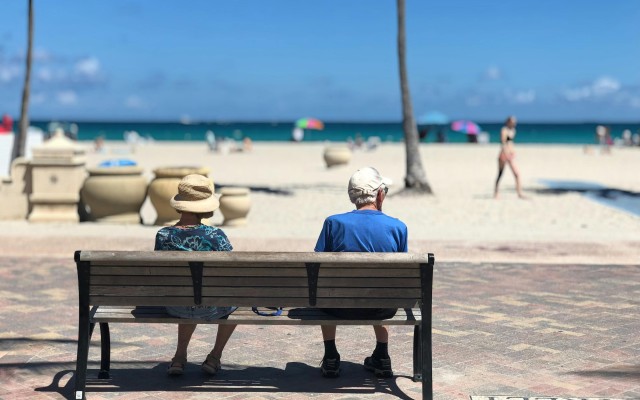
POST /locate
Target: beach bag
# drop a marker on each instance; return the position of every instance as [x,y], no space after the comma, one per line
[275,311]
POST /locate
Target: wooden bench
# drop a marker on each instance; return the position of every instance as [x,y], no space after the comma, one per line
[134,287]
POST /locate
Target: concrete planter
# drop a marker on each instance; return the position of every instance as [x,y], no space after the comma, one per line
[235,204]
[337,155]
[164,186]
[114,194]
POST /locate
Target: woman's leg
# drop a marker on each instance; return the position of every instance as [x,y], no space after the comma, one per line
[185,331]
[500,171]
[516,175]
[222,337]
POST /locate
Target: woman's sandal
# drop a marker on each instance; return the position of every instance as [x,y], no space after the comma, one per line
[176,368]
[211,365]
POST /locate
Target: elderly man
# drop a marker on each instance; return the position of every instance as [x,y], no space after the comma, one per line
[363,229]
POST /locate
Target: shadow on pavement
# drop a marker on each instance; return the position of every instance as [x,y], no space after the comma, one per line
[295,378]
[621,371]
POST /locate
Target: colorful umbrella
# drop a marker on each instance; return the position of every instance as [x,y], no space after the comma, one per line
[468,127]
[310,123]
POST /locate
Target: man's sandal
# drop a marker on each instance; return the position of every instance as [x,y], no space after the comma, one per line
[211,365]
[176,368]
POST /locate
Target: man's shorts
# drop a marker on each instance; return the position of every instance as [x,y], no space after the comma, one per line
[361,313]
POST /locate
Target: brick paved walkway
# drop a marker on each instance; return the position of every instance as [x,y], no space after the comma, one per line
[509,329]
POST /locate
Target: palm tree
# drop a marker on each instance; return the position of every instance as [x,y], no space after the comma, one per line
[20,139]
[416,179]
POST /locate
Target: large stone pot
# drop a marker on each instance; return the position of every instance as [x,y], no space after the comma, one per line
[164,186]
[234,205]
[337,155]
[114,194]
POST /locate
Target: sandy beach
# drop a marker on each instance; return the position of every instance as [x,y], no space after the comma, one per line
[293,191]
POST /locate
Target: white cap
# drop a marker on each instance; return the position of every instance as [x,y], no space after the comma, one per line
[366,181]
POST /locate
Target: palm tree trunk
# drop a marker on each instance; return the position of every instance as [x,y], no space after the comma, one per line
[20,138]
[416,179]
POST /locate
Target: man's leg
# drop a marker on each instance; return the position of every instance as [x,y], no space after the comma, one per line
[330,366]
[380,362]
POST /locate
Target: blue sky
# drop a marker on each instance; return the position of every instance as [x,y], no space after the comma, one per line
[543,60]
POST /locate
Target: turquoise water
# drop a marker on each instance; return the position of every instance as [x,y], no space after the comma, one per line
[569,133]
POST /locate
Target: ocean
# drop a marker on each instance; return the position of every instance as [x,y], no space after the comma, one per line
[539,133]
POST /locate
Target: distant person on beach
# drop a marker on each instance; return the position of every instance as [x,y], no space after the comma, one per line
[365,229]
[297,134]
[603,138]
[210,137]
[194,202]
[507,155]
[423,133]
[7,124]
[98,144]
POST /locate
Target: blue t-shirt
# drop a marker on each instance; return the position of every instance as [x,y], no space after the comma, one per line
[363,230]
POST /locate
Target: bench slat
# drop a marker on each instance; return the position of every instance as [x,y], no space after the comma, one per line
[264,292]
[188,301]
[142,311]
[133,280]
[240,256]
[206,291]
[244,316]
[333,302]
[249,271]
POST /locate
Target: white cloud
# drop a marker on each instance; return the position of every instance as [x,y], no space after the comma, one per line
[44,74]
[474,100]
[9,73]
[605,85]
[599,88]
[493,73]
[134,102]
[577,94]
[88,68]
[525,97]
[67,97]
[37,98]
[42,55]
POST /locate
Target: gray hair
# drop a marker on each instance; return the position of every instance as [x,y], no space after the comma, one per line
[363,199]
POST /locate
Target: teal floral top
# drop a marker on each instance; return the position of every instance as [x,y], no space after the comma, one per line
[194,238]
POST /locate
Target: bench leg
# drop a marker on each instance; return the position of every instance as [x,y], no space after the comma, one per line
[417,354]
[105,351]
[427,378]
[84,337]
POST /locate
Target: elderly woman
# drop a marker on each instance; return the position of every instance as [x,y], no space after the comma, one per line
[507,155]
[195,201]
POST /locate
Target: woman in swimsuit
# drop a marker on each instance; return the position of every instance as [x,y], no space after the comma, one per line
[507,154]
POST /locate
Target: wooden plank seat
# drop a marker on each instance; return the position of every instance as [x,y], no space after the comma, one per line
[134,287]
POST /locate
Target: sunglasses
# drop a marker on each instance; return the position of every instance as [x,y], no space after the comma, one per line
[386,189]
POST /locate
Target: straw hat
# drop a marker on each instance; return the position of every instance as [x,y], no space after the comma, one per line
[195,194]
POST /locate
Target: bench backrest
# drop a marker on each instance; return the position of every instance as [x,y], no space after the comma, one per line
[286,279]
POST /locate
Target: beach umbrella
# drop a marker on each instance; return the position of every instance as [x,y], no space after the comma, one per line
[468,127]
[310,123]
[433,118]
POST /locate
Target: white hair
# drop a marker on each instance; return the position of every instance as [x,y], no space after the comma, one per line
[364,199]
